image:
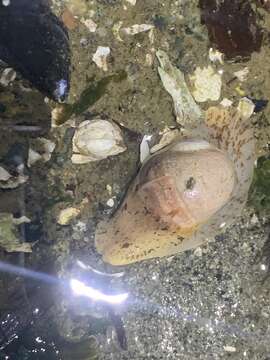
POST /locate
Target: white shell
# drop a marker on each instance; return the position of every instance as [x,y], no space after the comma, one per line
[96,140]
[137,28]
[207,84]
[100,57]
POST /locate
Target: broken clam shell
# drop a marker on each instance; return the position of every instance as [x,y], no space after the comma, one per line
[96,140]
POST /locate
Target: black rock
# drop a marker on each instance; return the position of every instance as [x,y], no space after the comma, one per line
[232,27]
[35,43]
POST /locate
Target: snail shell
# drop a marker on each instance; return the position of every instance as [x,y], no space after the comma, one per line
[184,193]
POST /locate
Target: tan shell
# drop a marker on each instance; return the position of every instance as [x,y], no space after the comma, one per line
[184,193]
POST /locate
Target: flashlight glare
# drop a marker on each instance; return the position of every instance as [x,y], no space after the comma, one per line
[79,288]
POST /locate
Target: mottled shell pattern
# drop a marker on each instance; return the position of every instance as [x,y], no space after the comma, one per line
[185,193]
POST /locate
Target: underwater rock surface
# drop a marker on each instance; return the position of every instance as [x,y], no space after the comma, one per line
[231,26]
[35,42]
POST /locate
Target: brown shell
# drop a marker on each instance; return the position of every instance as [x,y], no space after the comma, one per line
[175,192]
[159,217]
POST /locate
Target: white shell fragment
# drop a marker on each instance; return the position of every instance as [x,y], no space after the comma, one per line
[100,57]
[21,220]
[7,181]
[7,76]
[167,138]
[216,56]
[42,152]
[207,84]
[9,239]
[185,108]
[246,108]
[96,140]
[116,28]
[242,74]
[4,174]
[144,148]
[33,157]
[90,24]
[110,203]
[67,215]
[132,2]
[137,28]
[226,102]
[229,348]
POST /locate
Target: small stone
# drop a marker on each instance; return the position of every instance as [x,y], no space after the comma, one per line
[254,219]
[109,188]
[110,203]
[198,252]
[90,24]
[137,28]
[229,348]
[100,57]
[226,102]
[149,59]
[242,74]
[132,2]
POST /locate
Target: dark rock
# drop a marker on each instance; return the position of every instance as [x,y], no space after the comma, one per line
[232,27]
[35,42]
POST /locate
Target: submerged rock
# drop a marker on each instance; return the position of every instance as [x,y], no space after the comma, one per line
[35,43]
[232,26]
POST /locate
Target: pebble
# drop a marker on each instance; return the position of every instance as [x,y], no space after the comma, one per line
[100,57]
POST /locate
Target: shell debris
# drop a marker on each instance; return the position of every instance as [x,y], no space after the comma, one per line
[90,24]
[242,74]
[185,108]
[100,57]
[131,2]
[8,76]
[67,215]
[207,84]
[136,29]
[96,140]
[41,149]
[216,56]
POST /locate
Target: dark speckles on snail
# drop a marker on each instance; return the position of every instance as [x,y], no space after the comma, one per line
[183,194]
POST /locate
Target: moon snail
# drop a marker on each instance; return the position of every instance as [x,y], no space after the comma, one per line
[185,193]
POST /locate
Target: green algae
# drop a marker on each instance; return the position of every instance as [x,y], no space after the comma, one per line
[260,189]
[89,96]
